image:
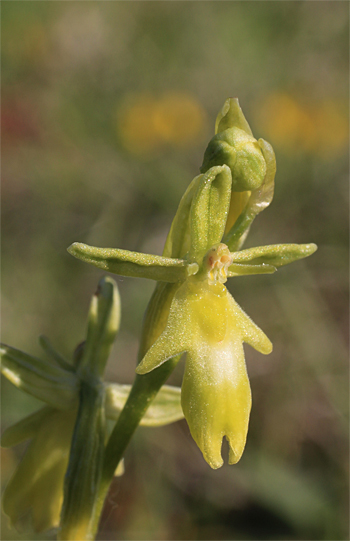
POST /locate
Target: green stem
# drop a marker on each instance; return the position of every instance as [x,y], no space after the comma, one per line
[143,391]
[85,464]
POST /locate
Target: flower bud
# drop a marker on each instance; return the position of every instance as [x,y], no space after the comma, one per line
[231,116]
[241,152]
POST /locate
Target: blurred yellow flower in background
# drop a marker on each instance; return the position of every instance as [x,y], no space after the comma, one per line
[320,129]
[178,118]
[331,121]
[146,123]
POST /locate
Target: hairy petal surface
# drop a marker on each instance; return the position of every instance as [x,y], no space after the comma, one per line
[205,321]
[216,399]
[216,396]
[126,263]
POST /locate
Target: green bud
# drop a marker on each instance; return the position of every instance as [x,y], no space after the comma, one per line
[103,325]
[231,116]
[241,152]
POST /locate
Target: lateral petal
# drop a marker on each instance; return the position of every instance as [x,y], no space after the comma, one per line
[276,255]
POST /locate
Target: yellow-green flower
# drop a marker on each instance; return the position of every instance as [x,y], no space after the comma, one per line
[207,323]
[196,314]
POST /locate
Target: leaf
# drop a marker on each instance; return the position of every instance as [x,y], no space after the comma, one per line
[165,408]
[52,384]
[53,354]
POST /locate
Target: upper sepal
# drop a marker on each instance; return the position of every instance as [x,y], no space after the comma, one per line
[209,211]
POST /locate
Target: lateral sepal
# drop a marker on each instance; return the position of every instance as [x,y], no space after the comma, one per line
[125,263]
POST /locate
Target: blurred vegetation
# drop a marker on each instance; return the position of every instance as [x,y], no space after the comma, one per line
[106,112]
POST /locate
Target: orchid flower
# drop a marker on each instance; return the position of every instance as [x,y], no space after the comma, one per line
[191,309]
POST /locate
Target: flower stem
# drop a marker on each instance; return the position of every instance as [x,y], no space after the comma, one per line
[85,465]
[142,393]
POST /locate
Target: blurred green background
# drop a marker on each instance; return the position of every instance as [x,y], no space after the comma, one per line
[107,108]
